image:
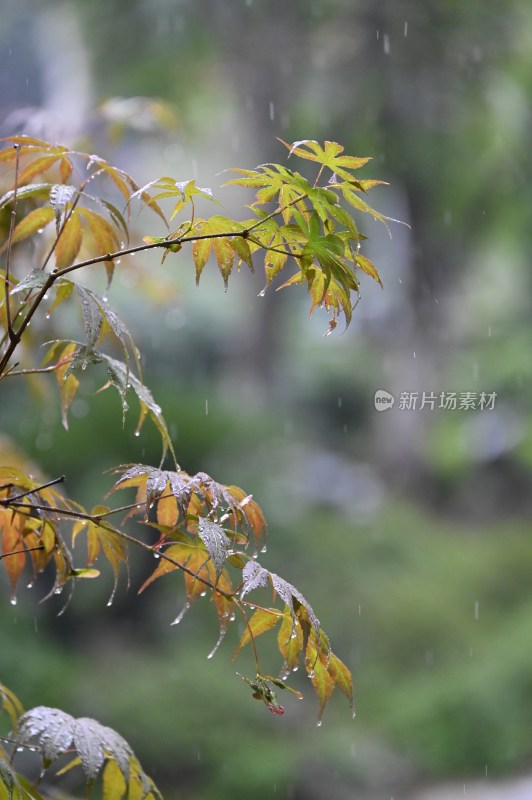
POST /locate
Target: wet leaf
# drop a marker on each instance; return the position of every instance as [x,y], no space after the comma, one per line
[69,242]
[369,268]
[32,223]
[13,550]
[216,542]
[316,664]
[60,197]
[11,704]
[56,732]
[31,190]
[68,383]
[261,621]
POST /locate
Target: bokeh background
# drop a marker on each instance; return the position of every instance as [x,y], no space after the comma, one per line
[407,529]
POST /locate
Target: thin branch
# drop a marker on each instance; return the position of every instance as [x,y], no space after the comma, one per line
[36,371]
[24,550]
[17,335]
[53,482]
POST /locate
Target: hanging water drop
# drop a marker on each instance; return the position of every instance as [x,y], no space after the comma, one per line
[13,601]
[319,723]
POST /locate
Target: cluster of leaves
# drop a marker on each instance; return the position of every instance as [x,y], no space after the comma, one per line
[203,528]
[53,734]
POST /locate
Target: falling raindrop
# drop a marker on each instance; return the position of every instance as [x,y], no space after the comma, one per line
[386,44]
[405,30]
[272,111]
[477,609]
[206,408]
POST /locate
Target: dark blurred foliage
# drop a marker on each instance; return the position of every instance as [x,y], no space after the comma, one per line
[407,530]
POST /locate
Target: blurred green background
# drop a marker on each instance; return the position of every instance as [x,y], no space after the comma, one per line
[407,529]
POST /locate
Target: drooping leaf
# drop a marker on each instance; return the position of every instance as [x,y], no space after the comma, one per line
[290,641]
[69,242]
[68,383]
[104,236]
[31,190]
[316,664]
[12,545]
[56,732]
[255,576]
[35,279]
[32,223]
[261,621]
[369,268]
[216,542]
[60,197]
[10,703]
[209,239]
[342,679]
